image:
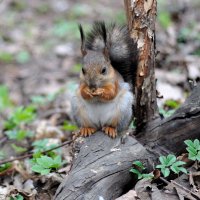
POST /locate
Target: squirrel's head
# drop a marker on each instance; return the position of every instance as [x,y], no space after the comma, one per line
[97,68]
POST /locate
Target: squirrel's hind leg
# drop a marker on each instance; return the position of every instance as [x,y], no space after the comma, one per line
[84,132]
[110,131]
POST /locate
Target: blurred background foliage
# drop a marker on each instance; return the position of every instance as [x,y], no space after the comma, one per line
[39,44]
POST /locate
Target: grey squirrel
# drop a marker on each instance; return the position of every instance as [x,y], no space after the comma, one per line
[104,100]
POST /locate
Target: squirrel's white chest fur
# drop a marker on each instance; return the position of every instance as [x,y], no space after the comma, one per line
[102,114]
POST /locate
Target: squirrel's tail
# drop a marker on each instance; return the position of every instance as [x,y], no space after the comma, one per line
[122,49]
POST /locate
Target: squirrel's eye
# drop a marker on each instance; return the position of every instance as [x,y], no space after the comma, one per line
[103,71]
[83,71]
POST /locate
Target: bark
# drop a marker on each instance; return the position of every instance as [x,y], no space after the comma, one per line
[141,21]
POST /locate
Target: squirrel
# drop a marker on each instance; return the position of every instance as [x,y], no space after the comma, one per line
[104,100]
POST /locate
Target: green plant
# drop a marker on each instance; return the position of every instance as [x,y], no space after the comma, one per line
[164,19]
[193,149]
[4,98]
[138,168]
[18,134]
[22,57]
[67,126]
[173,104]
[18,149]
[63,28]
[17,197]
[166,113]
[2,155]
[170,163]
[22,115]
[44,164]
[5,166]
[42,145]
[6,57]
[41,100]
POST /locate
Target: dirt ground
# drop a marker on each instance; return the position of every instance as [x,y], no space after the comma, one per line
[40,62]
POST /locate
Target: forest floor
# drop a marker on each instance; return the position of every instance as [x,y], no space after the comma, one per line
[39,66]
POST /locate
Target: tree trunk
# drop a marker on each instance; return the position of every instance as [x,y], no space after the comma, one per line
[141,17]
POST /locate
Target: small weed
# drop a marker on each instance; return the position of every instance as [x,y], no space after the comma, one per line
[17,197]
[164,19]
[170,163]
[193,149]
[44,164]
[22,57]
[22,115]
[166,113]
[5,167]
[6,57]
[138,168]
[67,126]
[18,135]
[172,104]
[4,98]
[18,149]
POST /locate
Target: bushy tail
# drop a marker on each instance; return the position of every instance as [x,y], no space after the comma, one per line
[122,49]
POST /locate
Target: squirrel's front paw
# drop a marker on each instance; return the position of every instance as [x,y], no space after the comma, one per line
[84,132]
[112,132]
[98,92]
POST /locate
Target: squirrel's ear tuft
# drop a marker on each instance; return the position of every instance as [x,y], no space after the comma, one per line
[104,35]
[83,50]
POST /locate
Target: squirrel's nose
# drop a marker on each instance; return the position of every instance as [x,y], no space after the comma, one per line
[93,85]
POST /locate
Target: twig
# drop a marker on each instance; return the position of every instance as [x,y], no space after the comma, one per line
[164,180]
[184,188]
[31,154]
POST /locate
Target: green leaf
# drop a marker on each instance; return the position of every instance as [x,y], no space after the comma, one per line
[172,104]
[179,163]
[160,166]
[182,169]
[165,172]
[38,99]
[76,68]
[198,156]
[175,169]
[45,171]
[23,57]
[57,162]
[17,197]
[45,161]
[5,166]
[139,164]
[170,159]
[189,143]
[20,115]
[192,157]
[43,145]
[196,144]
[6,57]
[67,126]
[18,149]
[192,150]
[17,134]
[4,98]
[164,19]
[135,171]
[37,168]
[163,160]
[147,176]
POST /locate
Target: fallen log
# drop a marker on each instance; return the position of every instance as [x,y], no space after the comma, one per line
[101,168]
